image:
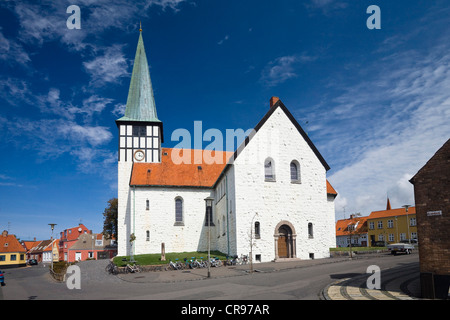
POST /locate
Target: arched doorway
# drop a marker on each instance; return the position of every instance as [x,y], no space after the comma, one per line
[285,240]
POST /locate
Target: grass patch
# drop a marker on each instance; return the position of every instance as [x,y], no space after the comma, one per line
[155,258]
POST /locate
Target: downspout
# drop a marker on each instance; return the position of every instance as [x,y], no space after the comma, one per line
[228,230]
[134,215]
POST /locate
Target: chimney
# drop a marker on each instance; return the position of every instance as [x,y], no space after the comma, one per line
[273,100]
[5,233]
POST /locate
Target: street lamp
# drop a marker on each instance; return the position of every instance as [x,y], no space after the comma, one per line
[52,225]
[406,206]
[251,243]
[208,203]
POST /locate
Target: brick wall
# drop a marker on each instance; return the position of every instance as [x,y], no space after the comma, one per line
[431,191]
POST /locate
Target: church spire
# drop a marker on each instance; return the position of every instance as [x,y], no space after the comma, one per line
[141,102]
[388,204]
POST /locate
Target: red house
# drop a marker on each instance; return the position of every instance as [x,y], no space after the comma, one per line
[92,246]
[67,240]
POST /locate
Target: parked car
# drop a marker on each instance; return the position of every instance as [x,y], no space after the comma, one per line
[400,247]
[32,262]
[2,278]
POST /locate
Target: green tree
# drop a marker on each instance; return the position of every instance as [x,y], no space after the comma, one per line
[110,219]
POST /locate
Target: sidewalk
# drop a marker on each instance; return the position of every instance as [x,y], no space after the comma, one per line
[397,284]
[223,271]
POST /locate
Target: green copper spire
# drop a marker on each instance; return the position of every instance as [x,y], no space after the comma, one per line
[141,102]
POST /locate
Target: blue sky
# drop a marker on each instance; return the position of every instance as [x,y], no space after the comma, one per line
[374,102]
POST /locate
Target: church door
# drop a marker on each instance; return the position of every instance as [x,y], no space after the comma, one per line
[284,241]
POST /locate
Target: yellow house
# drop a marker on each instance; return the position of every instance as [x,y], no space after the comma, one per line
[12,253]
[392,226]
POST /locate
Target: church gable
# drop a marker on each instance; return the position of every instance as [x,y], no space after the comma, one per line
[275,106]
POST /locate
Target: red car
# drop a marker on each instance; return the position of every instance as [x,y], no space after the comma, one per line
[2,278]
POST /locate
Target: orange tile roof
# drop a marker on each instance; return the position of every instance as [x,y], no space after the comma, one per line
[172,173]
[330,189]
[30,244]
[9,243]
[392,213]
[342,226]
[169,173]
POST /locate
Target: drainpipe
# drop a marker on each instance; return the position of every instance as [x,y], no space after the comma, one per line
[228,230]
[134,224]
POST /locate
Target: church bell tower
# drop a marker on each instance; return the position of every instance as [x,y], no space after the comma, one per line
[140,130]
[140,138]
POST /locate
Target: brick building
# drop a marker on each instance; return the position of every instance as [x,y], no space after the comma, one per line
[432,197]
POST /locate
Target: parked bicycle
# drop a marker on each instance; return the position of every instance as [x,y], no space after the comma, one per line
[132,268]
[174,265]
[215,262]
[111,268]
[244,259]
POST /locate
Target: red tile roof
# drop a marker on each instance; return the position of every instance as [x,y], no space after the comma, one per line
[392,213]
[330,189]
[9,243]
[72,234]
[173,173]
[342,226]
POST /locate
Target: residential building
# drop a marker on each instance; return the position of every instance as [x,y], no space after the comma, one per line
[42,251]
[92,246]
[352,230]
[392,226]
[12,253]
[68,237]
[432,197]
[269,198]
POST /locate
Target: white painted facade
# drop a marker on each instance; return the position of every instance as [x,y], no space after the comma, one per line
[242,197]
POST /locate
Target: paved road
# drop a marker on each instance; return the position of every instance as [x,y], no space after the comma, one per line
[304,280]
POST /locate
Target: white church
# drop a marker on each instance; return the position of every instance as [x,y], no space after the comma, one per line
[270,199]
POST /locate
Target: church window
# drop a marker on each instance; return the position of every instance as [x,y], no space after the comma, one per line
[148,235]
[147,204]
[269,170]
[223,225]
[295,171]
[310,230]
[139,131]
[178,211]
[209,217]
[257,230]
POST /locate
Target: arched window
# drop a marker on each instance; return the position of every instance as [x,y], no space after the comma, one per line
[269,170]
[295,171]
[310,230]
[148,235]
[257,230]
[179,211]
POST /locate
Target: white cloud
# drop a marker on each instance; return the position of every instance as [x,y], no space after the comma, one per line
[12,52]
[384,128]
[108,68]
[283,68]
[223,40]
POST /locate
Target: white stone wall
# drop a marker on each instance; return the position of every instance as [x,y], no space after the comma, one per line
[123,208]
[234,213]
[159,220]
[298,203]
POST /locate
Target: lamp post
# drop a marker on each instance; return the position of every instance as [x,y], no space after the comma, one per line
[251,243]
[52,225]
[208,203]
[406,206]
